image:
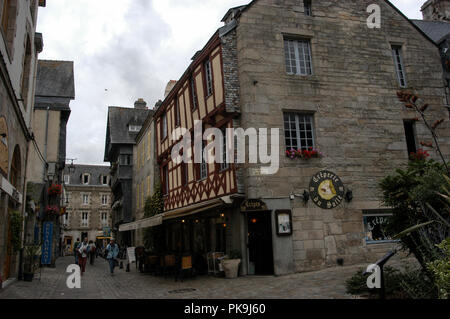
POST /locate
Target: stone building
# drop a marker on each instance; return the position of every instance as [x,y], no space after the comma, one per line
[316,72]
[436,10]
[438,30]
[19,49]
[145,175]
[123,125]
[87,199]
[55,89]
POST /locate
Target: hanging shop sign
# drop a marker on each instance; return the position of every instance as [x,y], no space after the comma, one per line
[253,205]
[326,190]
[46,258]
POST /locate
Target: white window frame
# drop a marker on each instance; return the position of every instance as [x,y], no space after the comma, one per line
[105,202]
[135,128]
[293,52]
[84,221]
[89,179]
[300,119]
[83,199]
[164,126]
[104,221]
[203,166]
[208,77]
[399,65]
[66,179]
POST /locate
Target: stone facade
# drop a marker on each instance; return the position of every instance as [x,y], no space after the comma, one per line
[436,10]
[358,120]
[18,56]
[98,203]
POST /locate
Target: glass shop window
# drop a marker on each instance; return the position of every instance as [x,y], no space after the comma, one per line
[374,226]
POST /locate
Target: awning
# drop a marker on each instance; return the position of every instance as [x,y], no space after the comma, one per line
[176,213]
[143,223]
[14,194]
[193,209]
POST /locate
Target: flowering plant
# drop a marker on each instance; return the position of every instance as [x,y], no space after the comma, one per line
[420,155]
[55,189]
[52,210]
[305,154]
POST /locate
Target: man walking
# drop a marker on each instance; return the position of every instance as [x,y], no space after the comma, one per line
[75,250]
[112,251]
[83,252]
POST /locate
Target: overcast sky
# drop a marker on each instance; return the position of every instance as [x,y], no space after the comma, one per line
[129,49]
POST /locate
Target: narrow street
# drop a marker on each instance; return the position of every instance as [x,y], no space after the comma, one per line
[97,283]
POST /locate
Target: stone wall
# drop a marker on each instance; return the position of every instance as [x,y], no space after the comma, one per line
[358,119]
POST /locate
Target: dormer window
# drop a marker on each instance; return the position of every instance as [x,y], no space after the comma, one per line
[135,128]
[85,179]
[104,180]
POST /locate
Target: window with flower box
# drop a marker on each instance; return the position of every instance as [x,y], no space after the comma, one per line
[299,131]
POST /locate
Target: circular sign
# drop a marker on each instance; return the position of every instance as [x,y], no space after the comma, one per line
[326,190]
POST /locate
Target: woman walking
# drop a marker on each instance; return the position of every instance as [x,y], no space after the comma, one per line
[112,251]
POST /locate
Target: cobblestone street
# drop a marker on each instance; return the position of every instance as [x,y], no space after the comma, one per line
[97,283]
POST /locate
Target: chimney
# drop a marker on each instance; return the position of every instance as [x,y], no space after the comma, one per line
[436,10]
[140,104]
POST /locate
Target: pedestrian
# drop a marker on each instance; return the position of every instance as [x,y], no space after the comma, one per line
[75,250]
[92,249]
[112,251]
[83,252]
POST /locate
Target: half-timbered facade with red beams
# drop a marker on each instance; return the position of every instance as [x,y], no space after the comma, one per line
[199,95]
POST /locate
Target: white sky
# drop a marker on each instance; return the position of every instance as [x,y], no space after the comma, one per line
[129,49]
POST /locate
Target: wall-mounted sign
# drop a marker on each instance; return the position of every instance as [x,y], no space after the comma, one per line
[326,190]
[47,230]
[253,205]
[284,222]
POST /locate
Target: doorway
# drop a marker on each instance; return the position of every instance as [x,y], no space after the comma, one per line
[260,250]
[9,250]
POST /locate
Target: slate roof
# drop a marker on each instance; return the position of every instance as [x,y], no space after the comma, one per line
[436,30]
[94,170]
[55,79]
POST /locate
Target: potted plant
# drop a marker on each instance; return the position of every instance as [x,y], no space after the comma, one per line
[231,264]
[31,252]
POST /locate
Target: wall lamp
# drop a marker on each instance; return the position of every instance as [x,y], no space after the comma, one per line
[349,195]
[305,196]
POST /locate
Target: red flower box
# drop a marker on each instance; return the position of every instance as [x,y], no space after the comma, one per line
[55,189]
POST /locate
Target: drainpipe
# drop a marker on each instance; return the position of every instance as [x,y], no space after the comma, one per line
[46,142]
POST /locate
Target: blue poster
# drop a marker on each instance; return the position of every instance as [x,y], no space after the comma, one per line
[47,243]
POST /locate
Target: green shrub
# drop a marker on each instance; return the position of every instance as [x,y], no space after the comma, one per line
[441,270]
[16,220]
[410,283]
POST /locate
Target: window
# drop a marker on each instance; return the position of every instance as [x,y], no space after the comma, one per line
[298,57]
[84,219]
[177,111]
[135,128]
[208,78]
[164,126]
[104,219]
[410,137]
[399,66]
[104,199]
[298,131]
[125,159]
[85,199]
[65,219]
[307,4]
[203,166]
[224,165]
[85,179]
[26,68]
[105,180]
[374,226]
[166,180]
[184,174]
[9,15]
[67,198]
[193,93]
[66,179]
